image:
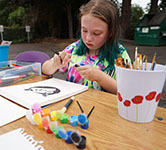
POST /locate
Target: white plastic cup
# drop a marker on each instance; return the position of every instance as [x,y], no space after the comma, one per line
[139,92]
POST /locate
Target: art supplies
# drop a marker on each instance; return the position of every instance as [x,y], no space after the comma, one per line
[82,118]
[64,109]
[9,111]
[138,63]
[43,92]
[19,140]
[44,119]
[15,71]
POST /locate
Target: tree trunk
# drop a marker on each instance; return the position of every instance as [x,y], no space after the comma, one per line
[70,20]
[125,17]
[153,7]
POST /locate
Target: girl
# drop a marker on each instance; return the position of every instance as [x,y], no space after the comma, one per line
[96,50]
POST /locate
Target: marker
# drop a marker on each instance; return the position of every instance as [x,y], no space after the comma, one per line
[64,109]
[7,82]
[13,77]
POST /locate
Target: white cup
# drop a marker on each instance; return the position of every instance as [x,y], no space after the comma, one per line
[139,92]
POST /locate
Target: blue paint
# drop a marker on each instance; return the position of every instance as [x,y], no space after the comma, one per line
[86,125]
[68,140]
[160,118]
[82,118]
[62,133]
[73,120]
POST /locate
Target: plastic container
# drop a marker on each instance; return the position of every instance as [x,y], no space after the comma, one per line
[15,71]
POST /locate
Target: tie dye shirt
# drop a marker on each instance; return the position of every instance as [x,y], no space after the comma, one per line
[74,76]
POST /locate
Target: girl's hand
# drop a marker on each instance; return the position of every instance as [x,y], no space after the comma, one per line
[61,60]
[103,79]
[89,72]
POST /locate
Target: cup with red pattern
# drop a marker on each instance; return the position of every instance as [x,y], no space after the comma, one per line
[138,92]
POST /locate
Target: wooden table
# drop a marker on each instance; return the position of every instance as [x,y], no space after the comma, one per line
[107,129]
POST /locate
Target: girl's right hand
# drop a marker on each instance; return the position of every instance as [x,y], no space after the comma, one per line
[61,60]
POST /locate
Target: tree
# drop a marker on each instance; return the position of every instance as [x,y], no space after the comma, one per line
[153,7]
[136,14]
[162,5]
[125,17]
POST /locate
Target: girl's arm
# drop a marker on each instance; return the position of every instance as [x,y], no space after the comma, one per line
[107,82]
[49,67]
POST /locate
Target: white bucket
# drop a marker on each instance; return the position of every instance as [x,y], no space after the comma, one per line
[139,92]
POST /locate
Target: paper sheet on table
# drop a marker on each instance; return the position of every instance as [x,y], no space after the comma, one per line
[9,111]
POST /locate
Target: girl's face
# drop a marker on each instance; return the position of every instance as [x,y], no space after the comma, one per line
[94,32]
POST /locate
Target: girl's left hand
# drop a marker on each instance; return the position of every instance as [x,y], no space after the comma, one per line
[89,72]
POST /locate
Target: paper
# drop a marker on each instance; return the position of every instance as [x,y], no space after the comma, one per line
[19,140]
[43,92]
[10,111]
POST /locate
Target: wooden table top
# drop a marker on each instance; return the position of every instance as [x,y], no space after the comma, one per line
[107,130]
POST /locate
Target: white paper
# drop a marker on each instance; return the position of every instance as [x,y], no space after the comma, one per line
[43,92]
[19,140]
[9,111]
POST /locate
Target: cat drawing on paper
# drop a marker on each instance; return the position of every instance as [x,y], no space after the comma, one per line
[44,90]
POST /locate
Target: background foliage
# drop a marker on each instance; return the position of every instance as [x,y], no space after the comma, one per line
[53,18]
